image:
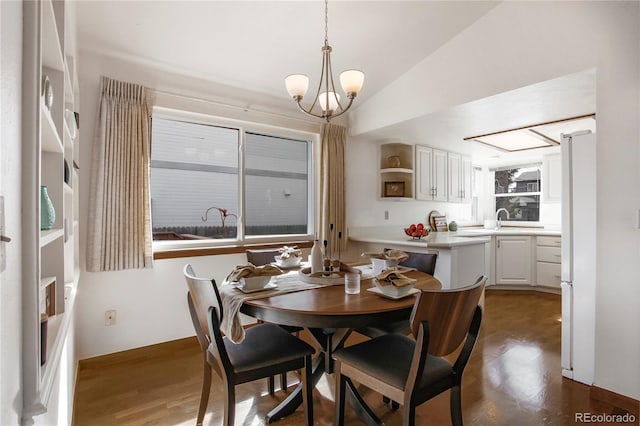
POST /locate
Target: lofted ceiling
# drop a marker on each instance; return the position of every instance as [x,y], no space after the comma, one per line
[254,45]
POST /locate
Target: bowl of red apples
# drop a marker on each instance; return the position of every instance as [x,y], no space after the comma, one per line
[416,231]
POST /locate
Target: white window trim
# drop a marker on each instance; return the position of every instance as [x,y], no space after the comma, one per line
[242,127]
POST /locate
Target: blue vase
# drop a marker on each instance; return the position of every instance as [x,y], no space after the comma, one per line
[47,212]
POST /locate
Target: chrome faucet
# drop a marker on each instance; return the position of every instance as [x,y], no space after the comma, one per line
[498,221]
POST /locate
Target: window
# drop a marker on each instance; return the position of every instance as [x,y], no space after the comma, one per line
[228,183]
[517,190]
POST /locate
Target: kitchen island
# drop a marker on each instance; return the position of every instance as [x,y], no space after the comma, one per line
[461,259]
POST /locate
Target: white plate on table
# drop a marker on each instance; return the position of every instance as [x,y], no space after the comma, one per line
[388,296]
[269,286]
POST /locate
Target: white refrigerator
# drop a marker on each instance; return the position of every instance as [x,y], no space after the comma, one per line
[578,251]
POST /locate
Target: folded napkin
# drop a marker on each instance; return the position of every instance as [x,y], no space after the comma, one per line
[397,255]
[286,252]
[250,270]
[393,277]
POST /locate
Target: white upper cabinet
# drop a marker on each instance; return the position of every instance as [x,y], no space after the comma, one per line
[459,178]
[431,174]
[552,179]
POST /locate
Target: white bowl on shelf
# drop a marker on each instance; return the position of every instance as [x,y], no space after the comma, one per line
[254,283]
[380,265]
[289,262]
[393,291]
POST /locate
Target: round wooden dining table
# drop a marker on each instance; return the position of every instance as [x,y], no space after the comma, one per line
[329,315]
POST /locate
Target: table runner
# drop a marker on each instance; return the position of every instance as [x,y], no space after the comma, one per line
[232,300]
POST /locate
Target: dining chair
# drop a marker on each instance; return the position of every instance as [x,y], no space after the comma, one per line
[260,257]
[424,262]
[413,371]
[266,350]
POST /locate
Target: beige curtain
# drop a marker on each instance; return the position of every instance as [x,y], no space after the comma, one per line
[332,188]
[119,229]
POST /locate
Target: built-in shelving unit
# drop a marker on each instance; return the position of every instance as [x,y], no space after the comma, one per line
[396,170]
[50,158]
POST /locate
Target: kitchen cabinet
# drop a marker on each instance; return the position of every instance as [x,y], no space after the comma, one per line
[513,259]
[458,177]
[431,174]
[552,179]
[50,159]
[548,261]
[396,171]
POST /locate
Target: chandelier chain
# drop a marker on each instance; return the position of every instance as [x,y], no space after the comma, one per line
[326,22]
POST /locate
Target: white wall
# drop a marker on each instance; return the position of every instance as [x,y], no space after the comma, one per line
[151,304]
[520,43]
[10,178]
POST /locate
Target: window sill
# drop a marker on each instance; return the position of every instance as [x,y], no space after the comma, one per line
[219,250]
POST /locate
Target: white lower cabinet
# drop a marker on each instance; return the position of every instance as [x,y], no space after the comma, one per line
[513,260]
[548,261]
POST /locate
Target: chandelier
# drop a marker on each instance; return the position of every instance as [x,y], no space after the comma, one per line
[328,100]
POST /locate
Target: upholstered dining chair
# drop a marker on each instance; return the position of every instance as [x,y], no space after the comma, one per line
[266,350]
[414,371]
[260,257]
[424,262]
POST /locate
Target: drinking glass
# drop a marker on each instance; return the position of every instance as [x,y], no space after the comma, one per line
[352,282]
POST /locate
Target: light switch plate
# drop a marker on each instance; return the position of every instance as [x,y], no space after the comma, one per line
[3,256]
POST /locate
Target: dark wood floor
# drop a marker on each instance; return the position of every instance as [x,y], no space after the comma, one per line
[513,378]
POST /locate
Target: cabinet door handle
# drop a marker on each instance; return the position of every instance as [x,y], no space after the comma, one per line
[498,243]
[5,239]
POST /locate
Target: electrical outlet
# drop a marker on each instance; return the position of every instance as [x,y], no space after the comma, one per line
[110,317]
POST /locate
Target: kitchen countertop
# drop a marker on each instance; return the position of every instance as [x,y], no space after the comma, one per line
[395,235]
[463,237]
[508,230]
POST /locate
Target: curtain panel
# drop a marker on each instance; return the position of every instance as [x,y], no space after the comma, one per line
[332,186]
[119,229]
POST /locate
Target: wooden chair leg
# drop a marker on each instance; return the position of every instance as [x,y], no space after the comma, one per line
[204,393]
[456,406]
[339,396]
[271,385]
[307,391]
[229,405]
[283,382]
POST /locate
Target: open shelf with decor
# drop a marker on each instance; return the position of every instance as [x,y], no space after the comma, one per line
[396,167]
[51,265]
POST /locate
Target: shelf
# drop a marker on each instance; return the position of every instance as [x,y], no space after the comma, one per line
[396,170]
[49,236]
[396,198]
[51,49]
[46,281]
[50,137]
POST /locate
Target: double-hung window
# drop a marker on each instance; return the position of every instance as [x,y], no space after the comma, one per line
[517,190]
[217,182]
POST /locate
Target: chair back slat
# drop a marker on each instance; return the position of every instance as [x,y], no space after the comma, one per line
[203,293]
[449,313]
[424,262]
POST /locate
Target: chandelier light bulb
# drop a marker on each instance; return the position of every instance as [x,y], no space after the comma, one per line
[334,99]
[351,82]
[297,85]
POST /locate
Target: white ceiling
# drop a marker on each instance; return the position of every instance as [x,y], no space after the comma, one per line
[256,44]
